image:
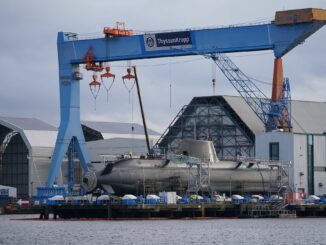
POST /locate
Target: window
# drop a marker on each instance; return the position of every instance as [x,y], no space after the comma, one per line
[319,169]
[301,190]
[274,151]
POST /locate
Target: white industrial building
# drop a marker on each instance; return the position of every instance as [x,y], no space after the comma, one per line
[236,130]
[27,144]
[110,130]
[25,153]
[305,148]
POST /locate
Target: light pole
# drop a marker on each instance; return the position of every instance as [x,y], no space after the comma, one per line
[144,182]
[32,189]
[230,185]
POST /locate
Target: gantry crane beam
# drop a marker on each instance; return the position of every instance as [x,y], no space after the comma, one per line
[279,38]
[287,31]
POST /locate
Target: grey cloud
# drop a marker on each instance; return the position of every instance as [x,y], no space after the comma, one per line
[28,61]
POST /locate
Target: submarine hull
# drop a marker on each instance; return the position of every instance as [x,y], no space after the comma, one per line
[136,176]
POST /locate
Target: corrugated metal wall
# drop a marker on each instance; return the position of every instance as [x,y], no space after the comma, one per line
[320,164]
[40,162]
[14,166]
[300,162]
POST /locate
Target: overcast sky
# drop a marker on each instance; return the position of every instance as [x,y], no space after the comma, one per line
[29,68]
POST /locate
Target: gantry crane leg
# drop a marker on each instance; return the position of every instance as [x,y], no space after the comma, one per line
[279,117]
[70,128]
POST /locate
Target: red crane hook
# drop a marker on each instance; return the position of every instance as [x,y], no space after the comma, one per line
[128,76]
[95,87]
[94,83]
[108,86]
[108,74]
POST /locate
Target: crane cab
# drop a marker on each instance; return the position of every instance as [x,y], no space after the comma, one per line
[119,31]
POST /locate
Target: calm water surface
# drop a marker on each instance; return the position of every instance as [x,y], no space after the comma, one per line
[216,231]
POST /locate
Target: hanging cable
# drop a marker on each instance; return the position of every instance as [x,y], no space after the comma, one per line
[94,87]
[192,60]
[213,76]
[36,172]
[163,64]
[170,95]
[259,81]
[132,122]
[170,80]
[108,82]
[129,77]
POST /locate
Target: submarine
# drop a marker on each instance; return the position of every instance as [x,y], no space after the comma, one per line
[195,161]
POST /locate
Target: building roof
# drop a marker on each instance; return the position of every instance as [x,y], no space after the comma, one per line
[246,114]
[38,138]
[28,123]
[37,133]
[34,132]
[307,117]
[117,127]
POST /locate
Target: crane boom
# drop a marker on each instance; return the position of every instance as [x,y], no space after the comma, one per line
[273,113]
[248,90]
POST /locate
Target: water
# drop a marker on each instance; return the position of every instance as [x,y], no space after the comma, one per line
[216,231]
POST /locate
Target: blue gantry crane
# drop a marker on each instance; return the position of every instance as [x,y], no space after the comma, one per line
[289,29]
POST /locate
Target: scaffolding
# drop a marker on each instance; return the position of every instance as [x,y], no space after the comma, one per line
[279,183]
[210,118]
[200,180]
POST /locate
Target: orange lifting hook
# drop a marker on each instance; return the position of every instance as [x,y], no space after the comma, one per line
[129,76]
[94,83]
[92,66]
[107,75]
[95,87]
